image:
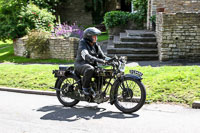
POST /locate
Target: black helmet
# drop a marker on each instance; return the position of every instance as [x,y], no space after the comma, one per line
[89,32]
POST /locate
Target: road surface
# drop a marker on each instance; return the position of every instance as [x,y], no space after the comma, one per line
[26,113]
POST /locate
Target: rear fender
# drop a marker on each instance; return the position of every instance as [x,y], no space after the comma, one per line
[66,75]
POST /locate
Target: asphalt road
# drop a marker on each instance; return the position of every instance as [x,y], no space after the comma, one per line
[26,113]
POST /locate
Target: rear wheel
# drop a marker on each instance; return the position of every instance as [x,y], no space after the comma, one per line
[130,95]
[66,85]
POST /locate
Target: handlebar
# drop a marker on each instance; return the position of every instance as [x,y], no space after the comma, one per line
[112,59]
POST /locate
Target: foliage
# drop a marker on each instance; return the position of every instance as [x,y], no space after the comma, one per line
[68,31]
[117,18]
[36,18]
[7,55]
[47,4]
[141,10]
[153,18]
[17,18]
[37,41]
[9,10]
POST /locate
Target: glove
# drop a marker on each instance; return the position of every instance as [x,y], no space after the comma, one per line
[101,61]
[107,58]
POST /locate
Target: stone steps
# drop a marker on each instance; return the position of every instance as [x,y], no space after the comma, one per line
[137,57]
[119,44]
[125,38]
[135,44]
[142,33]
[132,50]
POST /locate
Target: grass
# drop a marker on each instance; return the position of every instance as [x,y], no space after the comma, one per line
[37,77]
[178,84]
[5,44]
[7,55]
[103,36]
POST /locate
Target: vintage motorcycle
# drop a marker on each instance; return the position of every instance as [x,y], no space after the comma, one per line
[125,91]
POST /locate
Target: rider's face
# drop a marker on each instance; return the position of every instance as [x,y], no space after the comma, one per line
[94,39]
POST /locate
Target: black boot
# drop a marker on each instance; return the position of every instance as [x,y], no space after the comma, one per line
[93,92]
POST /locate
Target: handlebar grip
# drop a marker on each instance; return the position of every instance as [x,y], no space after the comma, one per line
[112,59]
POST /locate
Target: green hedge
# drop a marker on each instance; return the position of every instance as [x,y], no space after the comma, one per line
[116,18]
[120,18]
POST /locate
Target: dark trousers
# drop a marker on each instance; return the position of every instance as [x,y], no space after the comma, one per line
[87,71]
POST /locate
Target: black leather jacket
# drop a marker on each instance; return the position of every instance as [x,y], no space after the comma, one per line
[88,54]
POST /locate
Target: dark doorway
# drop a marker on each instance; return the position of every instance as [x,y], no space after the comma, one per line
[125,5]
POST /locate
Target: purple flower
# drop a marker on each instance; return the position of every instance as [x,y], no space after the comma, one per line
[68,30]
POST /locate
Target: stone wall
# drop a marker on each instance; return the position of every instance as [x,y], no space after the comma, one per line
[57,49]
[178,36]
[172,6]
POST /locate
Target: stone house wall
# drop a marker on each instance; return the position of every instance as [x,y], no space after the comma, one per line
[58,48]
[172,6]
[74,11]
[178,36]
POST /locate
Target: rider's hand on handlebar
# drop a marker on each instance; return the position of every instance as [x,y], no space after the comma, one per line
[107,58]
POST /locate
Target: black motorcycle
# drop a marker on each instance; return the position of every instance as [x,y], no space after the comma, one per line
[126,91]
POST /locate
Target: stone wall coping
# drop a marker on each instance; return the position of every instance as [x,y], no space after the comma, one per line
[178,13]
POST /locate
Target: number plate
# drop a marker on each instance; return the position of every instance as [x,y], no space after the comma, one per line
[58,73]
[135,72]
[122,67]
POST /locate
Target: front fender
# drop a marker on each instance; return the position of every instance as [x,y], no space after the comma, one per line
[113,90]
[132,76]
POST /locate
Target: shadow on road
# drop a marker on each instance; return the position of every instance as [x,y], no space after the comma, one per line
[61,113]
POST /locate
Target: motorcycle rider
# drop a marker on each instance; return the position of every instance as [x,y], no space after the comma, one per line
[88,55]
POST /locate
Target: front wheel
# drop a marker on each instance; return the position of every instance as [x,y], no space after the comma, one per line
[66,85]
[130,95]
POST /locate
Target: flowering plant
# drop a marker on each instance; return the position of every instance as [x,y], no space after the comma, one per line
[68,30]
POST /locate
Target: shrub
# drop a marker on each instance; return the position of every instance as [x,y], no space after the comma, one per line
[120,18]
[37,41]
[116,18]
[17,18]
[65,30]
[36,18]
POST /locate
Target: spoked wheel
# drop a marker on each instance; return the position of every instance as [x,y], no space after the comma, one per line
[130,95]
[67,85]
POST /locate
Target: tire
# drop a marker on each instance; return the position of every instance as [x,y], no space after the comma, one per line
[66,101]
[127,95]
